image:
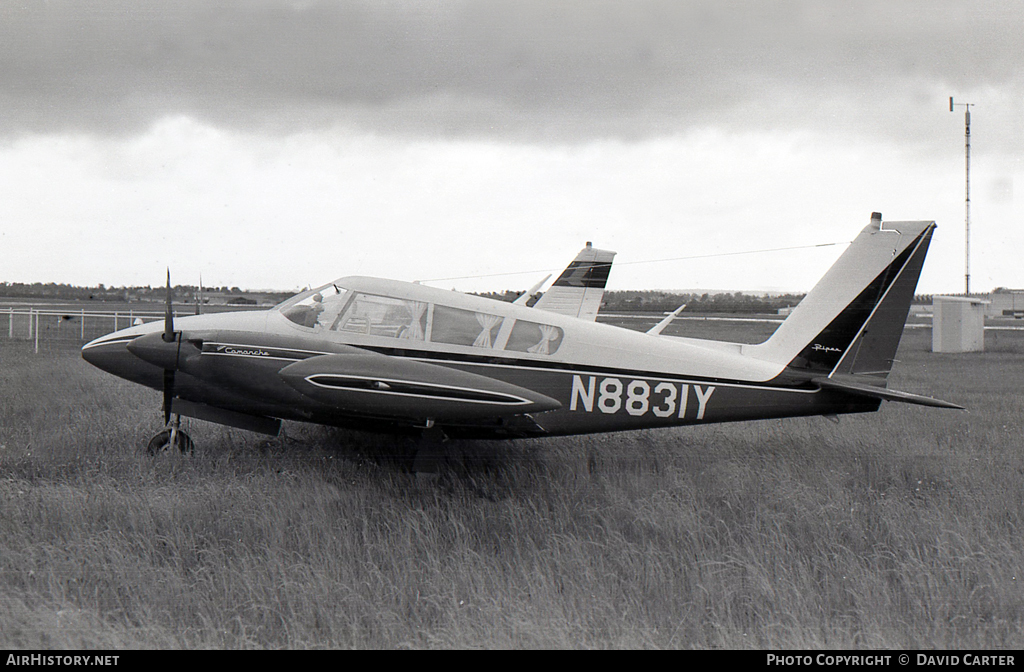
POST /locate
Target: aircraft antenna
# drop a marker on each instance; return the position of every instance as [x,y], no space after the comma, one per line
[967,191]
[646,261]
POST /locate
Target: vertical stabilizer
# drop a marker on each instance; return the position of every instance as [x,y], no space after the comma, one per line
[578,291]
[852,321]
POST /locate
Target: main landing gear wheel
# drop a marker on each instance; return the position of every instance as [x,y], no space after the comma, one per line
[163,442]
[430,453]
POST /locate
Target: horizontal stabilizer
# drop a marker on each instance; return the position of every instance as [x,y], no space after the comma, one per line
[845,384]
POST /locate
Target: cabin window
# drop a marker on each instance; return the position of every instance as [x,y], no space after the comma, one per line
[319,309]
[464,327]
[383,316]
[533,337]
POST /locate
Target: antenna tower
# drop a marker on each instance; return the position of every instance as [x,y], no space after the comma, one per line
[967,190]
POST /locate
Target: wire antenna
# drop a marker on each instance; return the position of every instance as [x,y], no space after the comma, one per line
[645,261]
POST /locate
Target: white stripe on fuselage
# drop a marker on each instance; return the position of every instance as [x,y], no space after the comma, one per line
[583,370]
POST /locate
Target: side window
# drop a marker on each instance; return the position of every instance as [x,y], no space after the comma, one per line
[539,339]
[464,327]
[318,310]
[383,316]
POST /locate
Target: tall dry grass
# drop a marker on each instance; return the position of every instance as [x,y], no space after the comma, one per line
[898,529]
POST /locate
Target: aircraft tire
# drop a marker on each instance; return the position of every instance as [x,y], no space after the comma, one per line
[162,442]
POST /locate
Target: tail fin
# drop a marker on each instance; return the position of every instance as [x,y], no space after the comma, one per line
[579,289]
[850,324]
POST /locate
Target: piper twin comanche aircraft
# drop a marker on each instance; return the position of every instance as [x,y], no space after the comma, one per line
[399,357]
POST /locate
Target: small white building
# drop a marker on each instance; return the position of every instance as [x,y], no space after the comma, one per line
[958,324]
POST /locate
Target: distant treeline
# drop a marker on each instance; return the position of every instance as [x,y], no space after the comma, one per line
[724,302]
[623,301]
[644,301]
[53,290]
[179,293]
[634,301]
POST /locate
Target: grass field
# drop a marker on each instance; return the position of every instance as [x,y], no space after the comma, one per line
[899,529]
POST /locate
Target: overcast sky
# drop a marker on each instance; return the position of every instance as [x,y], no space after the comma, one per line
[275,144]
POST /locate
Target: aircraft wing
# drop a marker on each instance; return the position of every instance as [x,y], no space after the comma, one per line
[525,297]
[660,326]
[579,289]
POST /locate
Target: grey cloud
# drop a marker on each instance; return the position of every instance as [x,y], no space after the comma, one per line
[525,69]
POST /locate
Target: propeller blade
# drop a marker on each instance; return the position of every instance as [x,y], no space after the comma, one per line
[168,314]
[199,298]
[168,337]
[168,393]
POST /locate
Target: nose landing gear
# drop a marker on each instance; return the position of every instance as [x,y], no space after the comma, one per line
[172,437]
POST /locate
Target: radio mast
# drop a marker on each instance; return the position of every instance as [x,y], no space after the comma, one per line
[967,191]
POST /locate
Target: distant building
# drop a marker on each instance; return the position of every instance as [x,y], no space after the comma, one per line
[1000,302]
[1006,303]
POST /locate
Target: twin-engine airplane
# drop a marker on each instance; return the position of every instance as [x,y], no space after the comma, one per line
[399,357]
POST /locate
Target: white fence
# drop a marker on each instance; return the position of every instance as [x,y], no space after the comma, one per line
[68,325]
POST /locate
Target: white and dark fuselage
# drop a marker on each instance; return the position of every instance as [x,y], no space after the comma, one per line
[394,356]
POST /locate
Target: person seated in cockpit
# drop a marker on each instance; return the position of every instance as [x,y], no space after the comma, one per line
[315,309]
[307,314]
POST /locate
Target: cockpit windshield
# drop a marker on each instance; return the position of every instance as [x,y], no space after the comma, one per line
[320,308]
[337,313]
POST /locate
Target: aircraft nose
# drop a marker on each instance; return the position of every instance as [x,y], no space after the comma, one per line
[90,354]
[107,353]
